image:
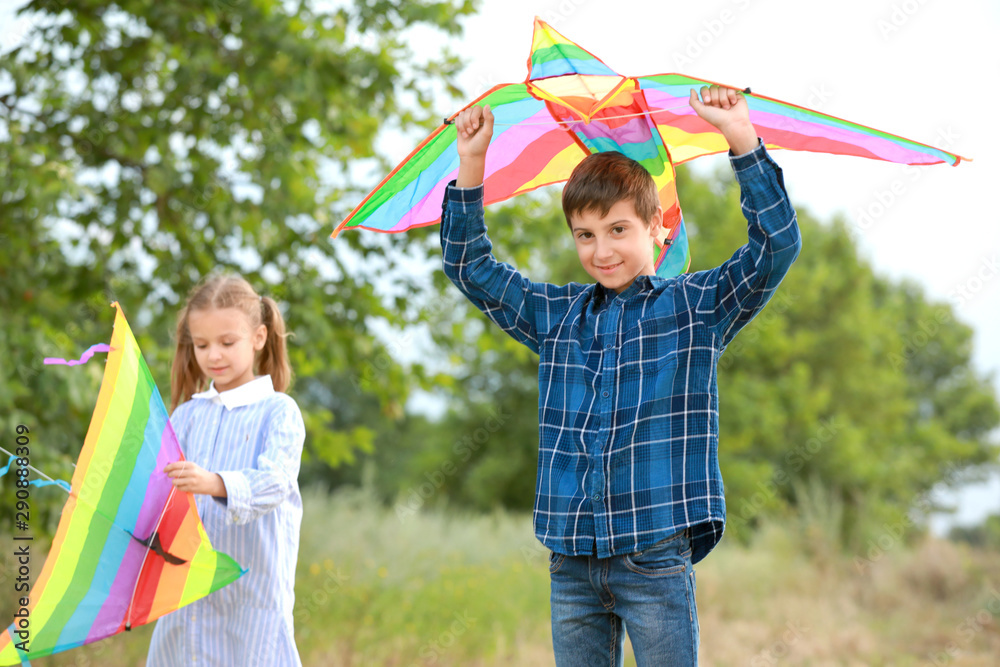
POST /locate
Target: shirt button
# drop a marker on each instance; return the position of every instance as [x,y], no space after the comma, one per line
[608,346]
[605,394]
[596,497]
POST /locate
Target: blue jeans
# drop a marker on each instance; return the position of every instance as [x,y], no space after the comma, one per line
[650,595]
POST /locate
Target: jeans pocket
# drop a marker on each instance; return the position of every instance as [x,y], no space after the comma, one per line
[555,561]
[668,556]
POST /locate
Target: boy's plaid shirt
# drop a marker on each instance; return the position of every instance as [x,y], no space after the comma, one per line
[628,401]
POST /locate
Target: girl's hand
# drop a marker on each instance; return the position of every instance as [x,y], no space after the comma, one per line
[727,110]
[192,478]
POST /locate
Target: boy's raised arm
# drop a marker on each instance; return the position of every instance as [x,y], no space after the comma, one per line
[475,129]
[728,296]
[520,307]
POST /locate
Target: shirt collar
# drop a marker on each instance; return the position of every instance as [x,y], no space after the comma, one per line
[641,283]
[246,394]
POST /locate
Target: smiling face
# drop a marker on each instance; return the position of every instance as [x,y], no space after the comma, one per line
[225,345]
[616,248]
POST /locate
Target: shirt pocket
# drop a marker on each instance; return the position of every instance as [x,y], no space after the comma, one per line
[649,349]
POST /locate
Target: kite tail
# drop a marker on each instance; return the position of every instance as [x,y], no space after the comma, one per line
[38,482]
[100,347]
[49,361]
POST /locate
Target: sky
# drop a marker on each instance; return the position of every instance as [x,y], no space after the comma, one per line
[922,69]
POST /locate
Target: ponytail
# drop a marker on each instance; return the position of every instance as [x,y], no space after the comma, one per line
[186,377]
[273,358]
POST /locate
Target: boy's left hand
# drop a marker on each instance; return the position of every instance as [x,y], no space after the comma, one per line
[192,478]
[726,109]
[474,129]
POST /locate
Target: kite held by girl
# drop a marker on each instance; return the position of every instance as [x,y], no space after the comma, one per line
[129,547]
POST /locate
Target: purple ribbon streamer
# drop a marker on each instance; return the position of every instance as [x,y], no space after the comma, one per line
[100,347]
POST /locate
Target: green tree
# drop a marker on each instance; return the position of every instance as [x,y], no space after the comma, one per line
[985,535]
[848,379]
[145,144]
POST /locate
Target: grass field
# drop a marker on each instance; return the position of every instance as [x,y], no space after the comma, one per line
[375,588]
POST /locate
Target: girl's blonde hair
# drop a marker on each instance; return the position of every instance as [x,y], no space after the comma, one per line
[229,291]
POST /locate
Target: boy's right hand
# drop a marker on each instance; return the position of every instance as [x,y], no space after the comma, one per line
[474,127]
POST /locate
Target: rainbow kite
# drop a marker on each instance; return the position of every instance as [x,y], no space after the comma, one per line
[129,548]
[571,105]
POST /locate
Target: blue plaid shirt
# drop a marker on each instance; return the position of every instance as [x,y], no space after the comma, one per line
[628,405]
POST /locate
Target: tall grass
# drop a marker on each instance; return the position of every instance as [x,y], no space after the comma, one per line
[377,587]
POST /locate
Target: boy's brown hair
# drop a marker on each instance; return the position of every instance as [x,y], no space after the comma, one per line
[602,180]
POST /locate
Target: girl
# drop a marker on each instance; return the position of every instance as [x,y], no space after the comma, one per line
[242,438]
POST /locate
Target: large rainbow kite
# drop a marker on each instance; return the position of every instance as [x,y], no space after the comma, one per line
[129,547]
[571,105]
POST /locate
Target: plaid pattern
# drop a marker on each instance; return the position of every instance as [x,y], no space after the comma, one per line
[628,401]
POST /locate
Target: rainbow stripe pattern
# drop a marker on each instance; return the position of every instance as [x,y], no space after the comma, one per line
[572,105]
[129,548]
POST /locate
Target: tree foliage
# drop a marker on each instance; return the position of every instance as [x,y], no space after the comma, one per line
[145,144]
[848,378]
[985,535]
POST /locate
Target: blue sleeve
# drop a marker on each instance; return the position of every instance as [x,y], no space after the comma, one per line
[180,423]
[727,297]
[525,310]
[258,490]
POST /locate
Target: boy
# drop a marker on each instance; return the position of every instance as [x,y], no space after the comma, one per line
[629,493]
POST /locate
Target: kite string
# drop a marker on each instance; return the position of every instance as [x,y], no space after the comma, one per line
[745,91]
[62,484]
[576,122]
[156,528]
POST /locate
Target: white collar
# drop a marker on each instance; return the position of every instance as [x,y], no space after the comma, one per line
[246,394]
